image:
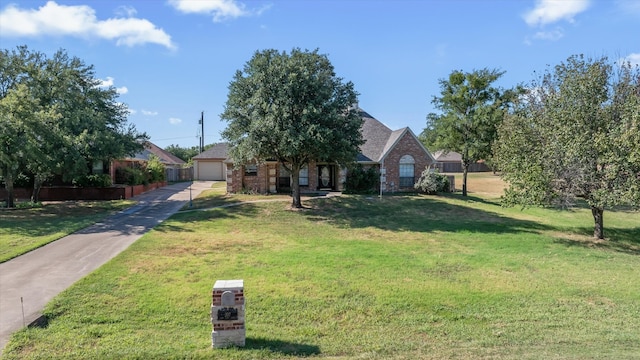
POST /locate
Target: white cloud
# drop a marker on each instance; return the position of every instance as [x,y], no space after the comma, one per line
[126,11]
[552,35]
[149,113]
[80,21]
[633,59]
[550,11]
[220,9]
[175,121]
[108,82]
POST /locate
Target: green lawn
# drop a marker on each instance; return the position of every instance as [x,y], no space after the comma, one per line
[405,277]
[22,230]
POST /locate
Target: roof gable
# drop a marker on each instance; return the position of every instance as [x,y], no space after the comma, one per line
[218,152]
[376,136]
[380,140]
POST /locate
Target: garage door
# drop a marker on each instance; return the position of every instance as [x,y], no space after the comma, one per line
[210,170]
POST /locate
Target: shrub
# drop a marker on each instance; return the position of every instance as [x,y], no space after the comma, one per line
[131,176]
[361,180]
[93,180]
[431,182]
[155,169]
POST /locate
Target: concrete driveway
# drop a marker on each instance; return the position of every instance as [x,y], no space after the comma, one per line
[30,281]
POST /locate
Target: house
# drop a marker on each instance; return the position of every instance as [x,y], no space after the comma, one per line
[210,164]
[451,162]
[398,154]
[173,165]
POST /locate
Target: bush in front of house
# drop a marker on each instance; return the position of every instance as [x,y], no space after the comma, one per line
[141,174]
[131,176]
[93,180]
[361,180]
[155,169]
[432,182]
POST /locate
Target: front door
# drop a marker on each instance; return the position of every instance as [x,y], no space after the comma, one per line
[325,177]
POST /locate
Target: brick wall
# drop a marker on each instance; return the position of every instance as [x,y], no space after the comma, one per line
[407,145]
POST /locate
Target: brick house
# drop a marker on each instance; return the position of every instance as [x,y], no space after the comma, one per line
[398,153]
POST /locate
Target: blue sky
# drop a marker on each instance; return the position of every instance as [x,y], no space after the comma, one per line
[170,60]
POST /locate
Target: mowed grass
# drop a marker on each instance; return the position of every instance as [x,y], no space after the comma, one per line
[402,277]
[22,230]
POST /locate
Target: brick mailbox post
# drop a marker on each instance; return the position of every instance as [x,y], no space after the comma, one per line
[227,314]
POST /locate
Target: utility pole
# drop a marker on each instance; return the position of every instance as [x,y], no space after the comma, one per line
[201,122]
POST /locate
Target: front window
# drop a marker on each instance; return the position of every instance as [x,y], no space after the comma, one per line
[407,171]
[304,176]
[251,170]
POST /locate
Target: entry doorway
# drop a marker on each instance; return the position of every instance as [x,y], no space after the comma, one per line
[326,177]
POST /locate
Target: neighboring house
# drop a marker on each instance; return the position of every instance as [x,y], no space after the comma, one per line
[210,164]
[398,152]
[451,162]
[173,165]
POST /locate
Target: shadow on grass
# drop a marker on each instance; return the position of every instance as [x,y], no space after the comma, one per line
[281,348]
[616,239]
[226,212]
[418,213]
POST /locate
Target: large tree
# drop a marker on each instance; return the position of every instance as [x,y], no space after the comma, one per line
[57,119]
[470,107]
[575,135]
[294,109]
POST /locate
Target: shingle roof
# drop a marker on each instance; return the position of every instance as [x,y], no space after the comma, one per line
[444,156]
[376,136]
[164,156]
[218,152]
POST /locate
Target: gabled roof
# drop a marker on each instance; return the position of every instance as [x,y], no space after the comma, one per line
[380,140]
[164,156]
[216,152]
[376,136]
[447,156]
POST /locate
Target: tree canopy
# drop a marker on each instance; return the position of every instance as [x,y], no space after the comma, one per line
[470,110]
[291,108]
[575,135]
[56,119]
[185,153]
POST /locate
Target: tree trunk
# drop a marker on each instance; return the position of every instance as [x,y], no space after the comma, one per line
[465,170]
[37,185]
[598,218]
[8,184]
[295,186]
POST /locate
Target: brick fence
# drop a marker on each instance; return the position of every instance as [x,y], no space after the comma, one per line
[62,193]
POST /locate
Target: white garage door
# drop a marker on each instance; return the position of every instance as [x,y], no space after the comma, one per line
[210,170]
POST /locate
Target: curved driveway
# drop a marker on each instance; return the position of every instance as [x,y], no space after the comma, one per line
[33,279]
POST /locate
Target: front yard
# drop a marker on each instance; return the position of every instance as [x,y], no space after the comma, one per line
[402,277]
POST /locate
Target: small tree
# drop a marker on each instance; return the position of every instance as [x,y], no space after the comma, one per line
[291,108]
[155,169]
[471,109]
[575,135]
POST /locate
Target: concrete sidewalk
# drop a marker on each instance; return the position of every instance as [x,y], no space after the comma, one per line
[33,279]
